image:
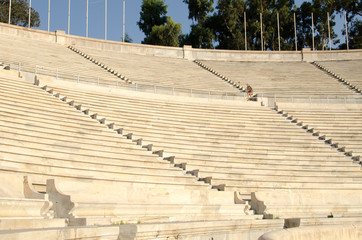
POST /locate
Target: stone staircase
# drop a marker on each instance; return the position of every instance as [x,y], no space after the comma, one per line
[337,126]
[162,72]
[348,72]
[243,148]
[112,71]
[50,59]
[339,78]
[299,80]
[84,158]
[234,84]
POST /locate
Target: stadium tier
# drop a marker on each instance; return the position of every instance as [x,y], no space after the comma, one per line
[243,149]
[349,70]
[109,178]
[341,125]
[51,59]
[160,71]
[85,156]
[283,79]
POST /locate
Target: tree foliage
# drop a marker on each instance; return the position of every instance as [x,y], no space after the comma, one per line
[153,13]
[198,10]
[354,36]
[353,9]
[19,13]
[320,9]
[223,27]
[127,38]
[229,25]
[158,28]
[165,35]
[200,35]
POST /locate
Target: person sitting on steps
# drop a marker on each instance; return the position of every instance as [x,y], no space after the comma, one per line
[249,90]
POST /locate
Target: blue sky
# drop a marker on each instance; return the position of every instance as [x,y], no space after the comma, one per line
[59,17]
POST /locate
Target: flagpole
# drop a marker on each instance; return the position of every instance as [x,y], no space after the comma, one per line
[86,28]
[312,32]
[105,19]
[261,31]
[329,33]
[295,33]
[278,30]
[345,22]
[48,15]
[9,12]
[29,14]
[246,43]
[124,21]
[69,17]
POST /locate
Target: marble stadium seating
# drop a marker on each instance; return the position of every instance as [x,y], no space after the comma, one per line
[81,159]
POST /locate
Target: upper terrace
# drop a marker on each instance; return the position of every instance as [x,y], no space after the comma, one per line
[140,67]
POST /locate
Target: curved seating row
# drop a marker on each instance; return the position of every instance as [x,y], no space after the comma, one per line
[161,168]
[339,123]
[101,174]
[349,70]
[244,148]
[282,79]
[159,71]
[54,60]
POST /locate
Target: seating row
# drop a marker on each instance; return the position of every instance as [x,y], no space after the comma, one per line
[186,139]
[339,124]
[307,203]
[50,59]
[269,79]
[159,71]
[244,177]
[348,70]
[100,181]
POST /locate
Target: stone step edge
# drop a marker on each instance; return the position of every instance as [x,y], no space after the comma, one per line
[229,81]
[120,131]
[310,130]
[337,77]
[104,66]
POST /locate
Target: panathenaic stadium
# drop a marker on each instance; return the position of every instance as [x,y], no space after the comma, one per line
[109,140]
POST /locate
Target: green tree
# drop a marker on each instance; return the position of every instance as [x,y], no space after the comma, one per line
[286,10]
[269,11]
[353,9]
[153,13]
[165,35]
[304,25]
[227,24]
[200,36]
[354,36]
[127,38]
[319,8]
[19,13]
[198,9]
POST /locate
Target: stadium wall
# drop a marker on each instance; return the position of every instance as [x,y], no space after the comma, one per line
[176,52]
